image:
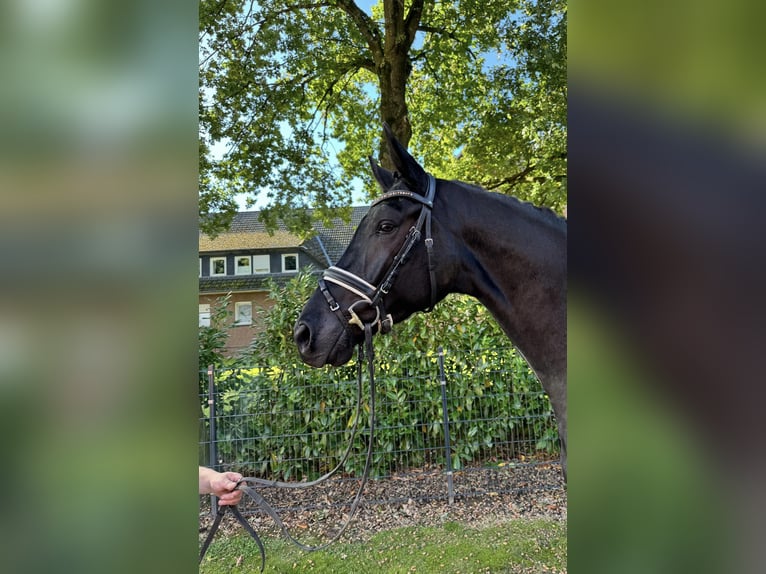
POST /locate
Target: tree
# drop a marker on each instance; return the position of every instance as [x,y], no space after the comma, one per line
[212,338]
[297,91]
[211,347]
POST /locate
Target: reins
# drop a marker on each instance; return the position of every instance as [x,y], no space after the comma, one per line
[243,484]
[368,295]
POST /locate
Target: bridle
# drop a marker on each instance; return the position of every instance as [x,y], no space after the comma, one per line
[370,295]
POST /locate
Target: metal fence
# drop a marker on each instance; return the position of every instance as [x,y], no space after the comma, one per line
[449,425]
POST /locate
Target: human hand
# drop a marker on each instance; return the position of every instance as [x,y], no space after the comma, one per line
[222,485]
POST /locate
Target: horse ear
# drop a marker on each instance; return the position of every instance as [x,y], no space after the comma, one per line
[409,169]
[384,177]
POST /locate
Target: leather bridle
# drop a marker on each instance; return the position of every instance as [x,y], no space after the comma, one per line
[370,295]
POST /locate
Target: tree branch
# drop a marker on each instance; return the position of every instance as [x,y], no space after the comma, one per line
[442,32]
[343,71]
[412,22]
[366,26]
[511,180]
[296,8]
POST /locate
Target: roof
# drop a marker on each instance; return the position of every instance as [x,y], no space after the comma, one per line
[243,283]
[248,240]
[245,221]
[334,238]
[247,232]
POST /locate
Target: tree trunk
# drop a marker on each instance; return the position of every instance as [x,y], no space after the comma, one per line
[394,73]
[393,107]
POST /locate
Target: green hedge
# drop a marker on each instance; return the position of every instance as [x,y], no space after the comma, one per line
[282,419]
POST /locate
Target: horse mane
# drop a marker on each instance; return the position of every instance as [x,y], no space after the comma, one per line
[528,206]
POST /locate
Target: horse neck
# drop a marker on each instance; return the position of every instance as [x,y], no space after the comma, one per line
[512,258]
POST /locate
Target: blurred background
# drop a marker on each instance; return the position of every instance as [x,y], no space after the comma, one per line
[666,171]
[98,154]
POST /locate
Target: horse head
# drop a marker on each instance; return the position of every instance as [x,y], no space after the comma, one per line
[384,275]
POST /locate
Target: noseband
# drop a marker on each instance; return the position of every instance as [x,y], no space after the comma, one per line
[370,295]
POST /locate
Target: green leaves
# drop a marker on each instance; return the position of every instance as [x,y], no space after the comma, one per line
[212,339]
[292,98]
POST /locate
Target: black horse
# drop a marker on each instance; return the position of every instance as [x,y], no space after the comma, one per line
[508,254]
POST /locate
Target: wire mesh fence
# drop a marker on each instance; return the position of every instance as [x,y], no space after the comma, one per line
[467,423]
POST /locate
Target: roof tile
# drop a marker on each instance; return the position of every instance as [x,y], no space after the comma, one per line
[247,232]
[248,240]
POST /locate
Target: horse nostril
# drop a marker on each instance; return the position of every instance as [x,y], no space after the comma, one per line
[302,336]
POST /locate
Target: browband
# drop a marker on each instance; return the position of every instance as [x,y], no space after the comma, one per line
[427,200]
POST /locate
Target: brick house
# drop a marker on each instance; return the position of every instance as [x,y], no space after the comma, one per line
[242,259]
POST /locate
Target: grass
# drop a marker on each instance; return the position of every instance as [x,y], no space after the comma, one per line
[518,546]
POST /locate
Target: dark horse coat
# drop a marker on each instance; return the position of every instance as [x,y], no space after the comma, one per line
[508,254]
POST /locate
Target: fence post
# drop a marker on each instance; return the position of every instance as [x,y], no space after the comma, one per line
[447,449]
[211,413]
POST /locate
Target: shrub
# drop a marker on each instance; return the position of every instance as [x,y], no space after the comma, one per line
[282,419]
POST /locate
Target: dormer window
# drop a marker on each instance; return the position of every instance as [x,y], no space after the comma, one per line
[242,265]
[217,266]
[289,263]
[261,264]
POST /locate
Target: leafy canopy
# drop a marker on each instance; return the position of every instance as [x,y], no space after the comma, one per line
[293,94]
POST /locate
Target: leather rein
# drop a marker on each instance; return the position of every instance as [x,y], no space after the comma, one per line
[244,483]
[372,296]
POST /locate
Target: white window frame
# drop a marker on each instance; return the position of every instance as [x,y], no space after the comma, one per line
[238,270]
[258,264]
[212,266]
[204,314]
[243,305]
[200,266]
[284,267]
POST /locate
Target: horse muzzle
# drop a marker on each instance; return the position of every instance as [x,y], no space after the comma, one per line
[321,342]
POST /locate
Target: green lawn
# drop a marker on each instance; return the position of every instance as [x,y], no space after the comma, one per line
[518,546]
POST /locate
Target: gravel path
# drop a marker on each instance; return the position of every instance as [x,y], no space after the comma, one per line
[413,499]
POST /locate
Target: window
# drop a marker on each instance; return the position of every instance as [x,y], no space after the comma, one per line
[217,266]
[200,266]
[243,313]
[204,315]
[242,265]
[289,263]
[261,264]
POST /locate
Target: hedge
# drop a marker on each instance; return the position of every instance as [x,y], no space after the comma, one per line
[282,419]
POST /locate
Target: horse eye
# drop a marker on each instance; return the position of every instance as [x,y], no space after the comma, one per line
[386,227]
